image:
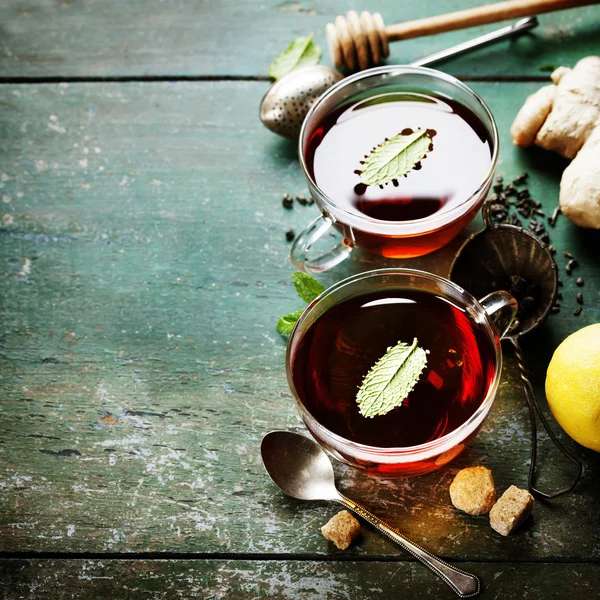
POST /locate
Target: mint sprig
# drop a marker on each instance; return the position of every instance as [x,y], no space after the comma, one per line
[286,324]
[391,379]
[300,53]
[396,157]
[308,289]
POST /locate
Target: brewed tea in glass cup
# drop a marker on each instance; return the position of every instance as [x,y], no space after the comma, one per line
[410,215]
[349,327]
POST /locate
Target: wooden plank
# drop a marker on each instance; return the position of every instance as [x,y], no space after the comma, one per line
[186,37]
[289,580]
[144,264]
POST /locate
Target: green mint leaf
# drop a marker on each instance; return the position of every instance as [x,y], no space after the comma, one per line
[287,322]
[300,53]
[396,157]
[308,287]
[391,379]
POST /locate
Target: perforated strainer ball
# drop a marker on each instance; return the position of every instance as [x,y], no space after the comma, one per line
[289,99]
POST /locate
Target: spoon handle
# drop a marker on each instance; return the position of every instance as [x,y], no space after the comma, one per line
[515,29]
[463,583]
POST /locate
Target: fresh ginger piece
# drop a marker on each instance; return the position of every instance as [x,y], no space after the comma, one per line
[531,117]
[580,185]
[565,118]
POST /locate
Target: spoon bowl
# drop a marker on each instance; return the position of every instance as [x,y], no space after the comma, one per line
[298,466]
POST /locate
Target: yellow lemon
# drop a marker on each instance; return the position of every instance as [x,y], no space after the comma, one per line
[573,386]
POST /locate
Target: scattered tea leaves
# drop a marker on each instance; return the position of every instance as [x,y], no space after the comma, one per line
[308,287]
[555,213]
[521,179]
[300,53]
[391,379]
[286,323]
[396,156]
[502,205]
[287,201]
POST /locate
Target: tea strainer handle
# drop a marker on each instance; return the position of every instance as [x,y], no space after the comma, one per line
[485,213]
[534,408]
[315,231]
[501,309]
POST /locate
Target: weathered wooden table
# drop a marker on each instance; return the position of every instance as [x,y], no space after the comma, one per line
[143,267]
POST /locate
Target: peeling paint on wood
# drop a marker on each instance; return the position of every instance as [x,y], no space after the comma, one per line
[282,580]
[140,365]
[241,38]
[143,264]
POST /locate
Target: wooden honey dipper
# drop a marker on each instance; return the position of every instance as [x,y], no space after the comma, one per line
[358,41]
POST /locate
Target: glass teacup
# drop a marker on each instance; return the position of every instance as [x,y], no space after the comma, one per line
[390,238]
[334,344]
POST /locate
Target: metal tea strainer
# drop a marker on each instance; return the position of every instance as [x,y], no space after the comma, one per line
[492,258]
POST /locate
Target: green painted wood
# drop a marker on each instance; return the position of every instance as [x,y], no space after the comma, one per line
[186,37]
[289,580]
[143,266]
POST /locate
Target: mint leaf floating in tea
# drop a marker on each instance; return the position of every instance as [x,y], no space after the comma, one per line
[300,53]
[391,379]
[396,156]
[308,287]
[286,323]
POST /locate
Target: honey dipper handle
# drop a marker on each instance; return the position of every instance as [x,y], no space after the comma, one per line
[489,13]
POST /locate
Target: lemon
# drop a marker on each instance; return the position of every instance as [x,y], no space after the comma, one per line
[573,386]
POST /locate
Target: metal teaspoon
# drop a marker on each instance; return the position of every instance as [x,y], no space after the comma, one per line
[302,470]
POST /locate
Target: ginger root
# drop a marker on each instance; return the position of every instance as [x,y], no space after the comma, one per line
[565,117]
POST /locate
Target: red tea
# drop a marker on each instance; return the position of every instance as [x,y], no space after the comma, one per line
[453,169]
[338,350]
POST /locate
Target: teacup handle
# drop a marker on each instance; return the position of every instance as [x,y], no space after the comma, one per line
[313,232]
[501,309]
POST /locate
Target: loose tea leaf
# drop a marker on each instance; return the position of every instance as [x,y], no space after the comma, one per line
[391,379]
[286,323]
[300,53]
[396,157]
[308,287]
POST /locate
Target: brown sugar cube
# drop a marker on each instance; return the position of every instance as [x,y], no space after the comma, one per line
[342,529]
[513,507]
[473,490]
